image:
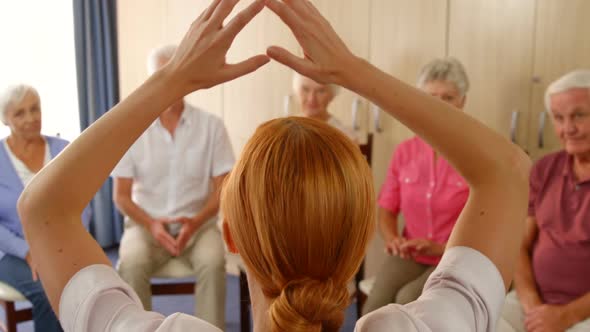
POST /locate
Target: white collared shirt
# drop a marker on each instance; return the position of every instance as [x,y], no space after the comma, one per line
[172,175]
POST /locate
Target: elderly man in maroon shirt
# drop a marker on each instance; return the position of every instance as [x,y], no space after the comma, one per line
[553,278]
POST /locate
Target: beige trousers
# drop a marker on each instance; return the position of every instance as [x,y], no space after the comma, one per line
[512,319]
[141,256]
[399,281]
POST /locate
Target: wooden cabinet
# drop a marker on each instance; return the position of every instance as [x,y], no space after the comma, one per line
[405,35]
[493,40]
[562,44]
[351,20]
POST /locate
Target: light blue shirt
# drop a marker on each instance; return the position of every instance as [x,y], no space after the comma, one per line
[12,240]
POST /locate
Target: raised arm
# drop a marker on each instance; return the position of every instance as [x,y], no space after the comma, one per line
[51,205]
[497,170]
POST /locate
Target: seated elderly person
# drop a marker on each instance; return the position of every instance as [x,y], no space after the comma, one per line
[22,154]
[167,185]
[430,194]
[314,99]
[553,278]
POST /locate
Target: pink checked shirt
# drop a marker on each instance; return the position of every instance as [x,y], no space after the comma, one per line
[430,194]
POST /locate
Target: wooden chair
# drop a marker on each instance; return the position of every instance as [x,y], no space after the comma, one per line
[178,268]
[8,296]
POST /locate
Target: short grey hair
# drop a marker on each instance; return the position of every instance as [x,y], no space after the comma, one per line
[447,69]
[12,95]
[157,54]
[297,84]
[577,79]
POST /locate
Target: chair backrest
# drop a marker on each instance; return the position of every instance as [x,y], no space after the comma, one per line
[367,148]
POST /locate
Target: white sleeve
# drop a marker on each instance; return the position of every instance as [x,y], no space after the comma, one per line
[465,293]
[223,155]
[96,299]
[126,167]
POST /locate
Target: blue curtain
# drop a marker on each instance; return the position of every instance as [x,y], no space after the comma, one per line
[98,91]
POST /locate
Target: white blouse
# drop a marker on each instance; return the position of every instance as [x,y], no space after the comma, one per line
[23,172]
[465,293]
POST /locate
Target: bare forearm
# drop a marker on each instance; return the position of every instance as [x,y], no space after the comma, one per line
[579,310]
[64,185]
[496,170]
[210,209]
[388,224]
[524,282]
[134,212]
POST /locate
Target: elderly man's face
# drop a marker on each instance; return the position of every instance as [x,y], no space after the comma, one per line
[24,118]
[571,118]
[314,97]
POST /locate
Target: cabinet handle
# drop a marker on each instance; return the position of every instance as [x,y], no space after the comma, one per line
[286,105]
[514,125]
[542,121]
[356,103]
[377,118]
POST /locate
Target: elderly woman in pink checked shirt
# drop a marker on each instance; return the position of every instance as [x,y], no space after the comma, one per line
[427,191]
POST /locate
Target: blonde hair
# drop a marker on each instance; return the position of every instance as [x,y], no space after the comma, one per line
[300,208]
[447,69]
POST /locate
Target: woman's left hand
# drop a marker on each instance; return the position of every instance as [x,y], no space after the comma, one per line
[423,247]
[199,61]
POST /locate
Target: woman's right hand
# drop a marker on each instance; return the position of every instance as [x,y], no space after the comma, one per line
[199,61]
[326,57]
[393,247]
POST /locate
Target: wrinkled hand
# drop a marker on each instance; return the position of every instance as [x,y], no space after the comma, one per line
[325,54]
[32,266]
[199,61]
[393,246]
[547,318]
[422,247]
[188,229]
[158,230]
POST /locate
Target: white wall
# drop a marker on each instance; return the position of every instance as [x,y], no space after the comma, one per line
[37,48]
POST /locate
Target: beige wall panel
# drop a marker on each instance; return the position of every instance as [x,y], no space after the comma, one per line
[260,96]
[141,26]
[405,34]
[494,40]
[562,44]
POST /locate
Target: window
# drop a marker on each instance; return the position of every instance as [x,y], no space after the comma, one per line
[37,39]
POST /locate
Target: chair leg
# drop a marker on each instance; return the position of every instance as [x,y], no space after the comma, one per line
[244,303]
[11,319]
